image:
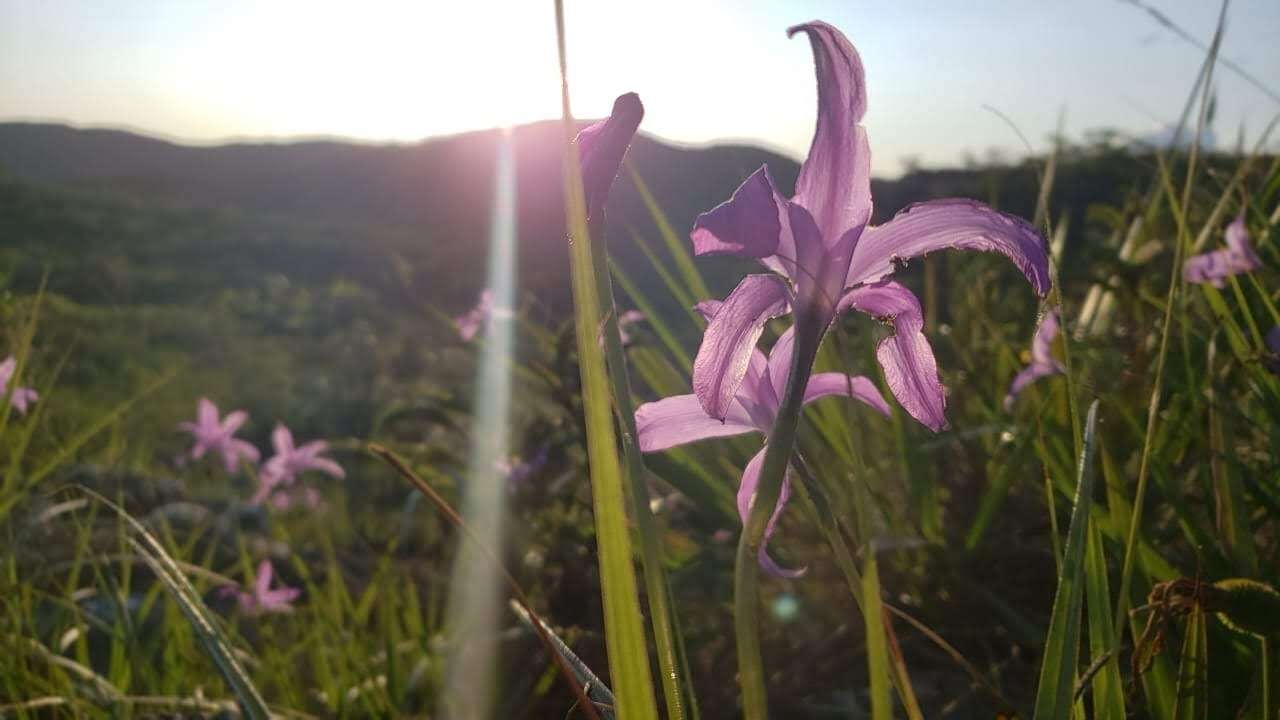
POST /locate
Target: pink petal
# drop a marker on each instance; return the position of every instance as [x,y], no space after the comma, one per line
[6,371]
[1042,343]
[746,224]
[326,466]
[857,387]
[1216,266]
[282,439]
[311,449]
[23,398]
[262,579]
[940,224]
[780,361]
[233,422]
[602,146]
[1029,374]
[907,358]
[206,414]
[835,180]
[680,419]
[730,340]
[708,309]
[746,497]
[820,268]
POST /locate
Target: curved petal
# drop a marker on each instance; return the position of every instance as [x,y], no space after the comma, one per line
[780,361]
[601,147]
[906,356]
[6,371]
[23,398]
[855,386]
[680,419]
[746,496]
[262,580]
[234,450]
[746,224]
[1238,238]
[233,422]
[1029,374]
[1042,343]
[708,309]
[820,270]
[326,466]
[207,414]
[282,439]
[957,223]
[730,340]
[835,180]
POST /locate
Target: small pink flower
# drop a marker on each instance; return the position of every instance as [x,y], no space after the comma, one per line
[22,398]
[262,599]
[289,462]
[212,434]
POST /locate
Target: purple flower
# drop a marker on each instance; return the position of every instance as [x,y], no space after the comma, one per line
[518,471]
[1043,363]
[21,398]
[214,435]
[681,419]
[286,498]
[601,147]
[289,462]
[470,322]
[827,258]
[263,599]
[1216,266]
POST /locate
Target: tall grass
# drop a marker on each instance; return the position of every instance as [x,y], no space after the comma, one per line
[1019,563]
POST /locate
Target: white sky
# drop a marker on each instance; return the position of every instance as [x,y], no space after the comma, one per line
[706,69]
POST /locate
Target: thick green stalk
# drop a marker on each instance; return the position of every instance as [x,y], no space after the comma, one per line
[777,456]
[655,577]
[624,626]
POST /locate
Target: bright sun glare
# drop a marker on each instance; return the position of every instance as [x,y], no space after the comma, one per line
[400,71]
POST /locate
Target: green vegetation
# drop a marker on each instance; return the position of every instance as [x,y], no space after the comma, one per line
[1001,557]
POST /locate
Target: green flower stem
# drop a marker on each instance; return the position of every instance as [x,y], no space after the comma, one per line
[777,456]
[655,577]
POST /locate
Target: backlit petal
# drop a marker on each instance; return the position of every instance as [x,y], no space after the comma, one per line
[602,146]
[746,224]
[746,496]
[680,419]
[856,386]
[906,356]
[282,439]
[730,340]
[835,180]
[941,224]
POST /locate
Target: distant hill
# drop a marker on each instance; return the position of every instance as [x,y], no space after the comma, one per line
[341,208]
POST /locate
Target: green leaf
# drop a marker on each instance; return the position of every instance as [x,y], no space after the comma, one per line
[877,647]
[1058,671]
[1108,689]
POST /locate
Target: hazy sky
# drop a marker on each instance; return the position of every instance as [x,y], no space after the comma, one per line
[706,69]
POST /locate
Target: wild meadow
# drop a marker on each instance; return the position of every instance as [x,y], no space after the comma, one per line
[992,443]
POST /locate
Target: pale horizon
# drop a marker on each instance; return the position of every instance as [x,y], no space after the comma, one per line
[240,72]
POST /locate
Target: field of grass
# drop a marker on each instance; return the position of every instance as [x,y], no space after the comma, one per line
[1104,546]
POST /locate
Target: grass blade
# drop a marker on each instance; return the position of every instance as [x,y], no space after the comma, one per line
[1057,673]
[877,650]
[214,640]
[1191,701]
[623,619]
